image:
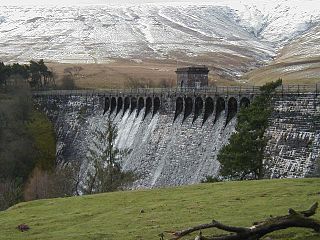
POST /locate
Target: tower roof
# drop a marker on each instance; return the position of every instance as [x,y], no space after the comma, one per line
[193,69]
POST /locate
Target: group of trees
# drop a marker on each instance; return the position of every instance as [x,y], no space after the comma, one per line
[29,169]
[26,141]
[35,73]
[242,158]
[102,174]
[28,149]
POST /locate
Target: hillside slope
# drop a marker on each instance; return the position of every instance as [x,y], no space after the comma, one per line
[117,215]
[298,62]
[231,37]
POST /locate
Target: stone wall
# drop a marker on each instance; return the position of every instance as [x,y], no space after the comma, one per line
[294,132]
[169,150]
[161,150]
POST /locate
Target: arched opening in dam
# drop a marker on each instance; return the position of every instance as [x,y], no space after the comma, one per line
[188,107]
[148,106]
[119,104]
[179,107]
[106,105]
[244,102]
[198,107]
[156,105]
[133,104]
[232,108]
[209,108]
[140,105]
[113,104]
[126,104]
[220,106]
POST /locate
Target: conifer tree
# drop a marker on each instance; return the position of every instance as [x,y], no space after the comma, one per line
[243,157]
[106,174]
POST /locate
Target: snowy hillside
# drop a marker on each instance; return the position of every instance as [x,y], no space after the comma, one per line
[249,31]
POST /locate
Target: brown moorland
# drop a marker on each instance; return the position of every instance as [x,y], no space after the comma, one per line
[124,73]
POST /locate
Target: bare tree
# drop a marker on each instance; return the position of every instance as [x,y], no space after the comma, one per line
[136,83]
[10,193]
[38,185]
[68,83]
[73,71]
[63,181]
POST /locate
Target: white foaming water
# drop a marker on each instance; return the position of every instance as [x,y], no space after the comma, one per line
[124,127]
[151,127]
[134,121]
[165,153]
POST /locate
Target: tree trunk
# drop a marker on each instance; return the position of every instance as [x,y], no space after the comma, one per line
[258,230]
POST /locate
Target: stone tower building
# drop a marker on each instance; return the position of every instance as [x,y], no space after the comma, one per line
[192,77]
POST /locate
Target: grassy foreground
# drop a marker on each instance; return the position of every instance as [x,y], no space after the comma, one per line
[117,215]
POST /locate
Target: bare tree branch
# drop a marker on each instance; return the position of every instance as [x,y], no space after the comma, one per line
[258,230]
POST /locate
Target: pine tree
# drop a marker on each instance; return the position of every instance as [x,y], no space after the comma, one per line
[243,157]
[107,175]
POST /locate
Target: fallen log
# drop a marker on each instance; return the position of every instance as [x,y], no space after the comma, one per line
[259,229]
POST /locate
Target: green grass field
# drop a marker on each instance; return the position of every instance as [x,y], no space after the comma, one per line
[117,215]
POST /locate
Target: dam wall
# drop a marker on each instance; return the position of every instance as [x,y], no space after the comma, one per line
[169,138]
[173,138]
[293,148]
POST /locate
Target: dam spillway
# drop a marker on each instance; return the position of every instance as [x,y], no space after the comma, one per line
[173,138]
[169,138]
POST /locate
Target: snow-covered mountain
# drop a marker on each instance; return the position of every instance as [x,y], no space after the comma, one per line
[235,35]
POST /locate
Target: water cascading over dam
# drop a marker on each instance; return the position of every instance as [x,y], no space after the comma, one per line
[172,137]
[169,139]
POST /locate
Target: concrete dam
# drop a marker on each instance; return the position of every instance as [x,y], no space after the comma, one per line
[172,137]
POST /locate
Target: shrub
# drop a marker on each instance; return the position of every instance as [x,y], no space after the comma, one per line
[68,83]
[210,179]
